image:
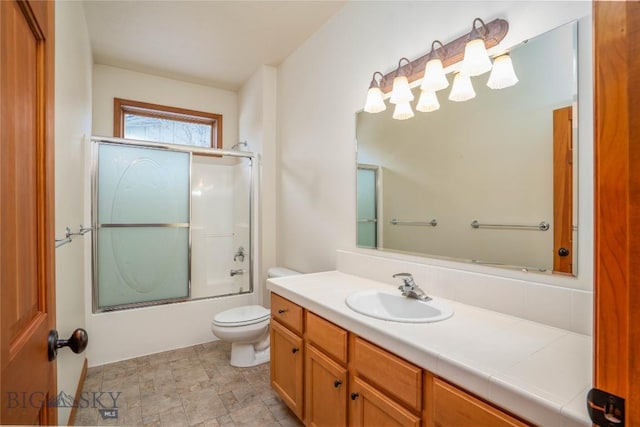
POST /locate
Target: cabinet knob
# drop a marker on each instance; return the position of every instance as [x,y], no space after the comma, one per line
[337,383]
[282,311]
[294,350]
[354,396]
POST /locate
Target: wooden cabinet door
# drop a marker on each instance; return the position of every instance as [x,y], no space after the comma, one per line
[448,406]
[325,390]
[286,366]
[370,407]
[27,276]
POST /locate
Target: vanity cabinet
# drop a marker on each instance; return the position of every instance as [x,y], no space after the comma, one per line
[326,372]
[385,389]
[331,377]
[287,353]
[370,406]
[325,390]
[448,406]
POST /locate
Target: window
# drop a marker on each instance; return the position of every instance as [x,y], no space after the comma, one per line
[159,123]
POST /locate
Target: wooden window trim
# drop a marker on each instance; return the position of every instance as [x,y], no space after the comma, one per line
[123,106]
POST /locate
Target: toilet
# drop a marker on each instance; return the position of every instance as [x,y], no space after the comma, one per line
[247,328]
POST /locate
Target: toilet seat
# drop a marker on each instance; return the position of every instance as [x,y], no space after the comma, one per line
[242,316]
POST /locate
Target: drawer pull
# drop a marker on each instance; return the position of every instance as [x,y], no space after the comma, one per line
[337,383]
[282,311]
[294,350]
[354,396]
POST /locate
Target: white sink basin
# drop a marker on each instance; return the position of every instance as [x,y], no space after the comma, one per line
[397,308]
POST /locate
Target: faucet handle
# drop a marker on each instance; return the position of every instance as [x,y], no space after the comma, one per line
[407,278]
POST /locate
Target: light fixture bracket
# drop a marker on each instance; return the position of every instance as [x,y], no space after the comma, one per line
[450,53]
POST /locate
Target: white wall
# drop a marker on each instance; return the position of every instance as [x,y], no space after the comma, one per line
[323,83]
[72,122]
[111,82]
[130,333]
[257,125]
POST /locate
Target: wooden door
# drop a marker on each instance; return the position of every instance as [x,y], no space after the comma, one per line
[617,202]
[563,190]
[27,308]
[368,406]
[325,390]
[286,367]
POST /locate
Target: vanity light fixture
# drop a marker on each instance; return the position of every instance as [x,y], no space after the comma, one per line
[375,102]
[427,102]
[502,75]
[401,92]
[476,60]
[434,77]
[403,111]
[462,89]
[469,49]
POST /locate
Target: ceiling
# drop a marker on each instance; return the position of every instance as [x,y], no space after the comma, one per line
[215,43]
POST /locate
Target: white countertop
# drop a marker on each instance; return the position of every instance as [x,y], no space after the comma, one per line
[536,371]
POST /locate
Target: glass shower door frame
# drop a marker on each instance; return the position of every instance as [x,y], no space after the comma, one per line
[94,145]
[97,226]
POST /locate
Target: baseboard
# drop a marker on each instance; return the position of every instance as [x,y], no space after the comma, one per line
[83,376]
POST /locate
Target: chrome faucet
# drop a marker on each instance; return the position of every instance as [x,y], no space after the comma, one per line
[409,288]
[239,254]
[236,272]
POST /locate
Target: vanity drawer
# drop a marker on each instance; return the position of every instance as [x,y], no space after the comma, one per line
[325,335]
[287,313]
[397,377]
[453,407]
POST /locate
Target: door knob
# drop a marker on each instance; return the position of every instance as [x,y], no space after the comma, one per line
[563,252]
[77,342]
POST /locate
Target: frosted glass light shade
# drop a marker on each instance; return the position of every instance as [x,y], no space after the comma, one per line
[427,102]
[375,102]
[502,74]
[403,111]
[462,89]
[476,60]
[401,92]
[434,77]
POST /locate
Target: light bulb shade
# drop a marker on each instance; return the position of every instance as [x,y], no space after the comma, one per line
[403,111]
[401,92]
[476,60]
[427,102]
[434,77]
[462,89]
[502,74]
[374,103]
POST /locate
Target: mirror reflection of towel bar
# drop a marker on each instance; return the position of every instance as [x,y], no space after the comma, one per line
[542,226]
[431,223]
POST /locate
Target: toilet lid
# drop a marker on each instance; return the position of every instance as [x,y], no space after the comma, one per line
[239,316]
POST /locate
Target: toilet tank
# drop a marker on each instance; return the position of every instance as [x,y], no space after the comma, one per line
[274,272]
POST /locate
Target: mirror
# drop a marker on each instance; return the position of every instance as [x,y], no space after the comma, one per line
[491,180]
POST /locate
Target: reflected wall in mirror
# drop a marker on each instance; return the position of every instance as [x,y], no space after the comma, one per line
[506,157]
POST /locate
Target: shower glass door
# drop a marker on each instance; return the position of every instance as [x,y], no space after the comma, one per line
[367,230]
[143,226]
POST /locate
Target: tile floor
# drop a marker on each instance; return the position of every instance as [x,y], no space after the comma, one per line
[193,386]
